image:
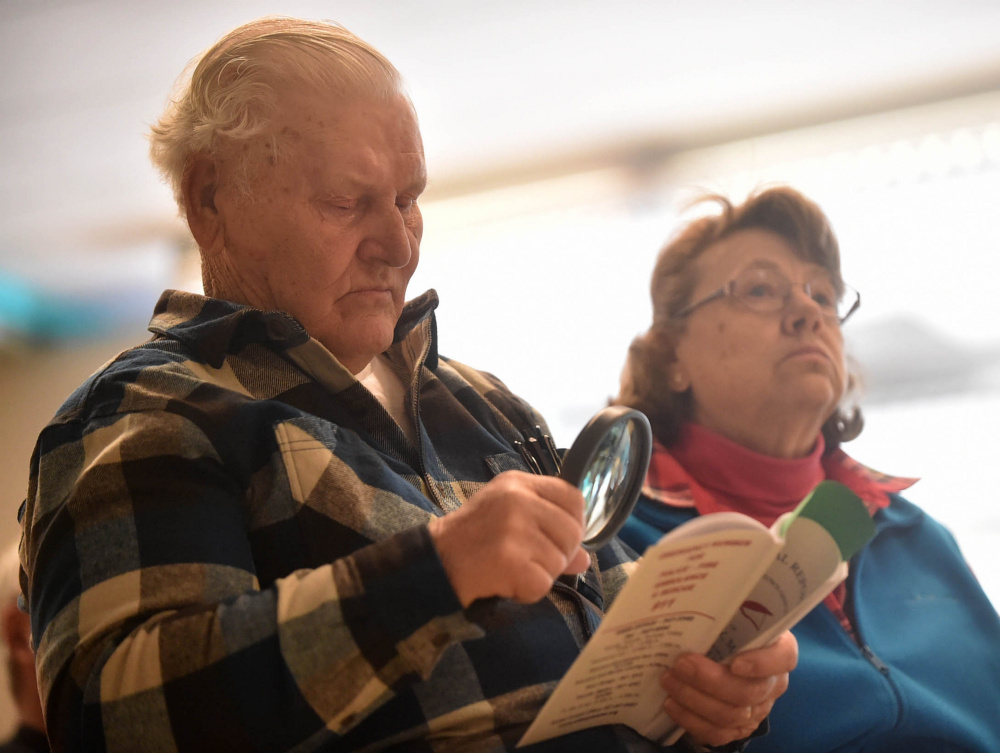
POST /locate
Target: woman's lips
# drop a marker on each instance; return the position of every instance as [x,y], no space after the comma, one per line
[809,351]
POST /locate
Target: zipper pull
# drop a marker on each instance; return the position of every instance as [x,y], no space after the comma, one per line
[874,660]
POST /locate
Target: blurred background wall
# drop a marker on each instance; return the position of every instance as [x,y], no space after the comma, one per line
[564,140]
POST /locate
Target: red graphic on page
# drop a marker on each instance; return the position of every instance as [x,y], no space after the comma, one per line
[755,612]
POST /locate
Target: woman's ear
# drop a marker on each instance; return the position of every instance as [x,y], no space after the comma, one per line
[677,378]
[199,187]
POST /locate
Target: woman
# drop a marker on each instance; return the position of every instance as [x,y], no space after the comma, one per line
[744,379]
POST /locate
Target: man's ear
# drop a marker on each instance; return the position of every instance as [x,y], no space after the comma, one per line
[199,187]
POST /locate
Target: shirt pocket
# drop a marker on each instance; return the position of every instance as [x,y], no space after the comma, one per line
[338,476]
[307,451]
[505,461]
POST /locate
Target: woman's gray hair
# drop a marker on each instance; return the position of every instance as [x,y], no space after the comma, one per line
[780,210]
[230,91]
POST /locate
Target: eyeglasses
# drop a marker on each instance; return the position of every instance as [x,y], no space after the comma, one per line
[769,291]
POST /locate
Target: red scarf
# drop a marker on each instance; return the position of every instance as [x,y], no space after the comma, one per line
[711,473]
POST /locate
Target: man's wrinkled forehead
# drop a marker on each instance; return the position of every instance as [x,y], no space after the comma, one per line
[305,107]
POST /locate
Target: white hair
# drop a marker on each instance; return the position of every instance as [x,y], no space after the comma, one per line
[230,91]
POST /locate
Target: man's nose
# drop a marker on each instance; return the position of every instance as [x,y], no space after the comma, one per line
[387,238]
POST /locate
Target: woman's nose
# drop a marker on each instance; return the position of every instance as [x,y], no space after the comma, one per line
[801,310]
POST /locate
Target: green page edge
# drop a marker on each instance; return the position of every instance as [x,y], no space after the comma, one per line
[841,512]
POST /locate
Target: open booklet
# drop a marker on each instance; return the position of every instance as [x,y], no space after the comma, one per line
[719,584]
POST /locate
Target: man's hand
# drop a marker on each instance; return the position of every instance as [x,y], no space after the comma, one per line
[716,703]
[513,538]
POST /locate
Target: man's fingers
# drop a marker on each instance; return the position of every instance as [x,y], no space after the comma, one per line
[559,493]
[558,515]
[560,527]
[533,582]
[513,538]
[579,562]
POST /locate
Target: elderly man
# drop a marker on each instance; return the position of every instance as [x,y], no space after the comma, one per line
[284,522]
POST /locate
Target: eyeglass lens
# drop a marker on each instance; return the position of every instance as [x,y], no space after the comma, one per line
[769,290]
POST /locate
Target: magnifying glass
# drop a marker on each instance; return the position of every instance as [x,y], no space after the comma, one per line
[608,462]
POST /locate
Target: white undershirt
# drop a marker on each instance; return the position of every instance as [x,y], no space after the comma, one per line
[380,379]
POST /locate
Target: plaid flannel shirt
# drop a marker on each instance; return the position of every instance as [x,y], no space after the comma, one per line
[225,548]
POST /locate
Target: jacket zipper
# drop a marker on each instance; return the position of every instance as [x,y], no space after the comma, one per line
[873,659]
[866,651]
[415,413]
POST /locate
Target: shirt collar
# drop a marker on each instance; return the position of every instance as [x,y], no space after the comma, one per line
[213,328]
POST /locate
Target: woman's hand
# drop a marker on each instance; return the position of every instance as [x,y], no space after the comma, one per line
[717,703]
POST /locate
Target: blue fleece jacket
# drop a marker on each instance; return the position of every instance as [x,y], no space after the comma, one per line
[925,674]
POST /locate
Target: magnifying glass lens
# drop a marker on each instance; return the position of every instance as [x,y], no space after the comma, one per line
[605,474]
[608,463]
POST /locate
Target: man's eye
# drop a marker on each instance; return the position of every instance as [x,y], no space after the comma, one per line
[338,205]
[405,204]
